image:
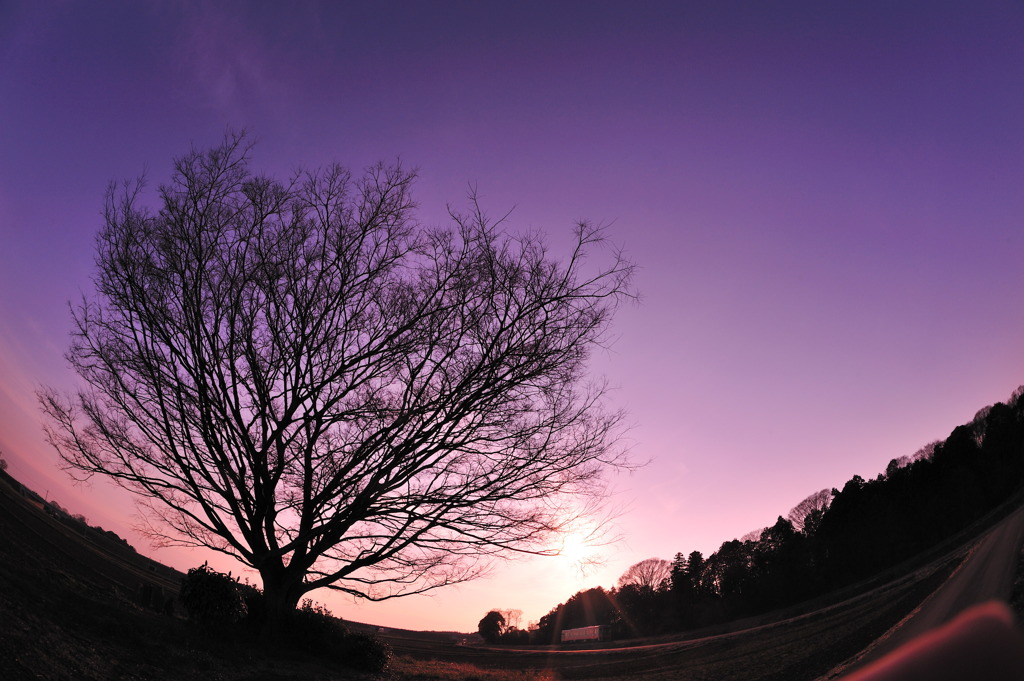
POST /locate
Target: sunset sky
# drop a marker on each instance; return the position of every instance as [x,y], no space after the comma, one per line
[824,199]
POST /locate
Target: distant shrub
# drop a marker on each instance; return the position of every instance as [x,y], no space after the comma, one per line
[212,598]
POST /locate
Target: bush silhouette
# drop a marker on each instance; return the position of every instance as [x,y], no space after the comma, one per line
[216,600]
[314,630]
[211,598]
[365,653]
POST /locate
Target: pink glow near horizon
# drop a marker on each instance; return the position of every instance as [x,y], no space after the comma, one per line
[824,202]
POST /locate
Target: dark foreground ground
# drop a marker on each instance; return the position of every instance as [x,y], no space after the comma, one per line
[75,606]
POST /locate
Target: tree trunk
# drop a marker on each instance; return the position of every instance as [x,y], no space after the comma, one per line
[281,594]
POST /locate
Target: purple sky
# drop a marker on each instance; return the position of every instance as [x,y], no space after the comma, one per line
[824,199]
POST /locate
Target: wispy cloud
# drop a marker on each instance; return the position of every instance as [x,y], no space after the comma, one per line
[226,61]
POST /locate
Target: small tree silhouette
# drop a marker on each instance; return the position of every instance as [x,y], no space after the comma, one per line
[492,626]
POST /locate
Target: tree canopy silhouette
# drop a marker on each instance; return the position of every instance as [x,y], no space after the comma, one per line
[299,375]
[806,516]
[649,574]
[491,626]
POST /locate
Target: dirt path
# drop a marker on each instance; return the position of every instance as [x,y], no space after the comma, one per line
[986,573]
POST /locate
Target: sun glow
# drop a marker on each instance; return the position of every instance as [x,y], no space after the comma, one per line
[574,547]
[579,550]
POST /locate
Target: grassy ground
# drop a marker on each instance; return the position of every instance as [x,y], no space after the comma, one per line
[405,668]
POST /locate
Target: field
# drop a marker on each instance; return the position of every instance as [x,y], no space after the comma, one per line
[76,606]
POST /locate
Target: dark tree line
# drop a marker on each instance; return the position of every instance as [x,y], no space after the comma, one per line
[831,539]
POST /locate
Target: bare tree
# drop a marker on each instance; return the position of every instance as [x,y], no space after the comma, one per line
[925,453]
[753,535]
[979,424]
[512,618]
[648,574]
[300,376]
[806,515]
